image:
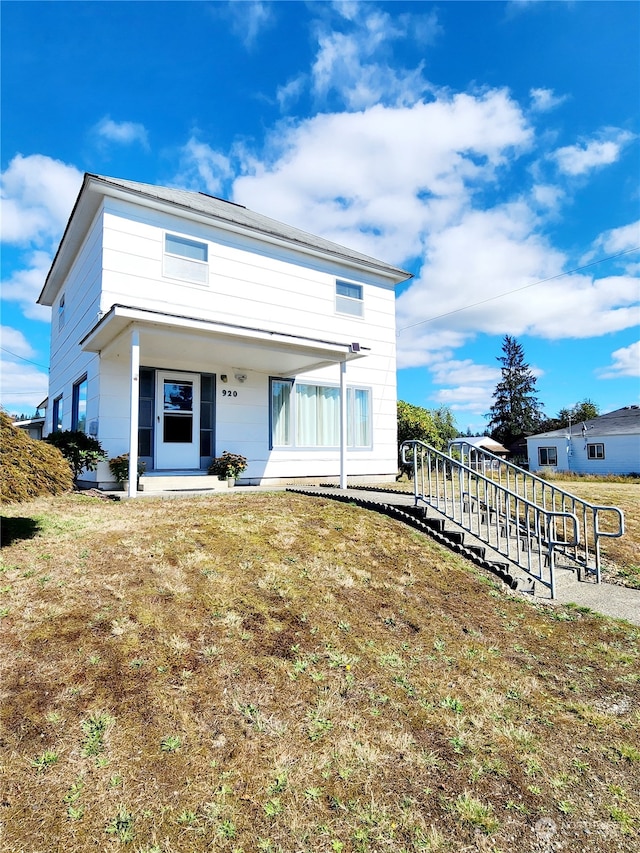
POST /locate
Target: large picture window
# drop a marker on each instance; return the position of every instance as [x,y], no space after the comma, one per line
[547,456]
[308,415]
[79,405]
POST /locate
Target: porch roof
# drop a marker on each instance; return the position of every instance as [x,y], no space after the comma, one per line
[209,342]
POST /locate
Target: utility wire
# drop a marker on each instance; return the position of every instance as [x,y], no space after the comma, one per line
[517,290]
[15,355]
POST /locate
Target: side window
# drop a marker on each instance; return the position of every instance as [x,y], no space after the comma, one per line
[185,259]
[79,405]
[61,313]
[595,451]
[56,424]
[280,412]
[547,456]
[349,298]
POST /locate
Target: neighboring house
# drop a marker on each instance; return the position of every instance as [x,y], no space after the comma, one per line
[483,442]
[609,444]
[34,426]
[184,325]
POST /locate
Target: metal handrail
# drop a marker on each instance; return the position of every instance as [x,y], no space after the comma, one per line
[545,493]
[501,514]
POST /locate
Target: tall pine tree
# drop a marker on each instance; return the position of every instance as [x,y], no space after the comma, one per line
[516,410]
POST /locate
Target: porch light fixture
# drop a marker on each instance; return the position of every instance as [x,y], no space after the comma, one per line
[223,377]
[241,377]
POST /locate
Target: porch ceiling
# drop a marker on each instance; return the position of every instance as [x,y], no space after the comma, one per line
[183,341]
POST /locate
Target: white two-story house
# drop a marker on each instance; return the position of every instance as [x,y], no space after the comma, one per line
[184,325]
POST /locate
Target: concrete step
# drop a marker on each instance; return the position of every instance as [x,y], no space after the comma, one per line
[181,481]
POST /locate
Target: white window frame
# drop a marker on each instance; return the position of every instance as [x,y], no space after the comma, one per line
[349,305]
[290,429]
[592,450]
[548,448]
[181,266]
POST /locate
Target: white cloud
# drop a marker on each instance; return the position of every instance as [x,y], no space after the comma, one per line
[38,194]
[355,66]
[203,168]
[622,239]
[122,132]
[25,284]
[396,173]
[625,362]
[249,20]
[543,100]
[23,385]
[579,159]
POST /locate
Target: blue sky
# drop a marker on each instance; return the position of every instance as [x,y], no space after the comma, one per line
[491,149]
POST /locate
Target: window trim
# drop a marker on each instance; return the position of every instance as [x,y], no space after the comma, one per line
[356,301]
[594,445]
[548,448]
[76,420]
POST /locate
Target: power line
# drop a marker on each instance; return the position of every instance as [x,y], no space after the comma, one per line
[22,358]
[517,290]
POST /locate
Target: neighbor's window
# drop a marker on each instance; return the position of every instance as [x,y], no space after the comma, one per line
[548,455]
[307,415]
[56,425]
[186,259]
[349,298]
[79,405]
[595,451]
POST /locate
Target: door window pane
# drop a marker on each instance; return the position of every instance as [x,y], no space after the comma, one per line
[178,429]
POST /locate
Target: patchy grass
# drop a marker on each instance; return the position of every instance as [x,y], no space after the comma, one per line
[267,672]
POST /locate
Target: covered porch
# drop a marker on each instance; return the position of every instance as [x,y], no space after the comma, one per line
[192,360]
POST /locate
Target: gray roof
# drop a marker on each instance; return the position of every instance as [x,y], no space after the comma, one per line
[237,214]
[625,421]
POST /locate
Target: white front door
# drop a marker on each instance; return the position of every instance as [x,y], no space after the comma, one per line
[177,420]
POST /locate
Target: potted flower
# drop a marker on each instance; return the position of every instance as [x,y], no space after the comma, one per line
[228,467]
[119,467]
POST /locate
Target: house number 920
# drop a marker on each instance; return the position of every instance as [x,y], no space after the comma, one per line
[226,393]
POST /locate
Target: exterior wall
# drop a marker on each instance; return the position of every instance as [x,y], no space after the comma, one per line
[621,454]
[249,284]
[68,363]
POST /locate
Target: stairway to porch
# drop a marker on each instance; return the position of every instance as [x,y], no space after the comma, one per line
[616,601]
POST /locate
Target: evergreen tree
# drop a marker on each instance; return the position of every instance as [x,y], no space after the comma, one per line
[516,410]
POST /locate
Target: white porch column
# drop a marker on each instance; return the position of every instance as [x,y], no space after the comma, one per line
[343,424]
[133,414]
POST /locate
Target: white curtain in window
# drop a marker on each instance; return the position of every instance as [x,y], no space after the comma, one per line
[317,416]
[360,418]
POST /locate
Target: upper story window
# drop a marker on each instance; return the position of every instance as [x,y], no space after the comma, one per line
[595,451]
[349,298]
[61,313]
[186,259]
